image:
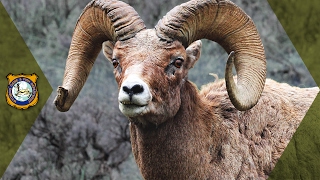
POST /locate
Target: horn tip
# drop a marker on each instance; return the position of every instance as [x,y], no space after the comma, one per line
[60,99]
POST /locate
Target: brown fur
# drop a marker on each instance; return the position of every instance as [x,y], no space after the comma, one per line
[187,134]
[210,139]
[178,132]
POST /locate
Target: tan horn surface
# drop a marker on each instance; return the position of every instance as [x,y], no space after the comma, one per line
[101,20]
[225,23]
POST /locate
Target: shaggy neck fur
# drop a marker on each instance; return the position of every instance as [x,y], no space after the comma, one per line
[163,151]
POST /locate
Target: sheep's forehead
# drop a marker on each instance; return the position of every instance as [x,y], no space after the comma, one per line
[147,45]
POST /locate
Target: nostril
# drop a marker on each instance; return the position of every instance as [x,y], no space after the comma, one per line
[126,89]
[136,89]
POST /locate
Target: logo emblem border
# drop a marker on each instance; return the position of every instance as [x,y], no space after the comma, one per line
[31,80]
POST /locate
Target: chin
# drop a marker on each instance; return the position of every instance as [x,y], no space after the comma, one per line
[133,110]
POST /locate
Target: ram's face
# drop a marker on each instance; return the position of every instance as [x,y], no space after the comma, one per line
[150,74]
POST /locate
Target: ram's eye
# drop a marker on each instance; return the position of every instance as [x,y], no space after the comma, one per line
[178,63]
[115,63]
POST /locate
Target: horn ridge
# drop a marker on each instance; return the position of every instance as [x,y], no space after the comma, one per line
[100,20]
[225,23]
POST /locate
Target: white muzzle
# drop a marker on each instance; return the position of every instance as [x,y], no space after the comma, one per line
[134,96]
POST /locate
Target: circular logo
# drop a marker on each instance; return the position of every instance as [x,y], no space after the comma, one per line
[22,92]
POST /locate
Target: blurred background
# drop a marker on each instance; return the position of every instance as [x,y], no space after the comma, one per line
[92,140]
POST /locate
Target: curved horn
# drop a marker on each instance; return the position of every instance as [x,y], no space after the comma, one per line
[101,20]
[225,23]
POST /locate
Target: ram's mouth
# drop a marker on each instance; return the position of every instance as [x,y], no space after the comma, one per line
[131,104]
[132,109]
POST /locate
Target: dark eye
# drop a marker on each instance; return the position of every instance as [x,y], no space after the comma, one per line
[178,63]
[115,63]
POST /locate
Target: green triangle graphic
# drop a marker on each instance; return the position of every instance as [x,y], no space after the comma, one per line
[301,158]
[16,58]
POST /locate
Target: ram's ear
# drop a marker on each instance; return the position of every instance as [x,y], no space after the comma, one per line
[107,49]
[193,53]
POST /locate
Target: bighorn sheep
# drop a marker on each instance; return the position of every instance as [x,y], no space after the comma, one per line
[229,130]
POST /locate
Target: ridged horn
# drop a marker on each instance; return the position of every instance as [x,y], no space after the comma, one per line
[225,23]
[101,20]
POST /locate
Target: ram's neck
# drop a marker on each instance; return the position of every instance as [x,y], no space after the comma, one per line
[166,151]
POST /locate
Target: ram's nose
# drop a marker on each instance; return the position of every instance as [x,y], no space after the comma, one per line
[134,91]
